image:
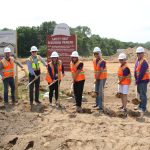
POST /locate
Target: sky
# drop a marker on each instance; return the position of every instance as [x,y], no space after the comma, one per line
[125,20]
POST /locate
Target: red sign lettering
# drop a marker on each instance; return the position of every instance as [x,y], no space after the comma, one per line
[63,45]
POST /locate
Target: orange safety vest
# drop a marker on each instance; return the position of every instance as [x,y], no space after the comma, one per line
[48,77]
[73,68]
[124,80]
[97,69]
[138,68]
[8,68]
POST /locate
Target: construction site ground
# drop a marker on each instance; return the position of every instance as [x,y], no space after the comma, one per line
[51,128]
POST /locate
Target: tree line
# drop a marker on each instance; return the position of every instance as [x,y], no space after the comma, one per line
[86,41]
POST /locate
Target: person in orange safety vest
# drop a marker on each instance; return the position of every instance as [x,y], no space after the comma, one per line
[100,74]
[124,80]
[7,73]
[78,78]
[55,71]
[142,76]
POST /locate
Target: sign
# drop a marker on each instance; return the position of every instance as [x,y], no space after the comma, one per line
[62,44]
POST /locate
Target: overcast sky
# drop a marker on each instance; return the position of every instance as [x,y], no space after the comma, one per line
[125,20]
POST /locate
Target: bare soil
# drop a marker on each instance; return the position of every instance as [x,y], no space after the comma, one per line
[51,128]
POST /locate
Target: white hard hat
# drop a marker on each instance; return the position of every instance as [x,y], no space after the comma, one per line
[33,48]
[122,56]
[74,54]
[140,50]
[7,50]
[97,50]
[54,54]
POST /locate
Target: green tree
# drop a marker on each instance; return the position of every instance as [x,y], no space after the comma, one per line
[83,41]
[46,28]
[27,37]
[43,50]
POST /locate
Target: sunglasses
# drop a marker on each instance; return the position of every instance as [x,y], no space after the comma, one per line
[33,51]
[95,53]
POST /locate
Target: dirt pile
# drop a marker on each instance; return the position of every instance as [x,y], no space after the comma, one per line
[131,55]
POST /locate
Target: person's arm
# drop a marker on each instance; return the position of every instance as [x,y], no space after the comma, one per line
[135,75]
[1,68]
[126,72]
[43,61]
[31,71]
[18,63]
[63,70]
[50,72]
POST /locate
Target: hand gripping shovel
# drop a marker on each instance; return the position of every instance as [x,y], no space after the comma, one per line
[52,83]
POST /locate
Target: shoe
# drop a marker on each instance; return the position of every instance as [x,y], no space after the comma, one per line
[14,102]
[7,107]
[137,108]
[51,105]
[140,111]
[123,110]
[79,109]
[120,107]
[32,107]
[100,110]
[57,104]
[95,106]
[38,102]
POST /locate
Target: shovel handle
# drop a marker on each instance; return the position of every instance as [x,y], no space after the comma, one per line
[32,81]
[52,83]
[71,88]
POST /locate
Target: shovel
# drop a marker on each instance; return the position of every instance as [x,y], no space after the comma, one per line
[93,93]
[136,100]
[71,89]
[32,81]
[52,83]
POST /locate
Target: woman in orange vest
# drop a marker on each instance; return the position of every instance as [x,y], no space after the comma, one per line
[142,76]
[55,71]
[100,74]
[78,78]
[124,77]
[7,73]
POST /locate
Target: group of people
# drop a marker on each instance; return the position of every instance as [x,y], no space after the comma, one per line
[141,75]
[55,72]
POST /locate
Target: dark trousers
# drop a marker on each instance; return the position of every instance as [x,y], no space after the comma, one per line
[9,82]
[142,91]
[35,84]
[52,88]
[78,90]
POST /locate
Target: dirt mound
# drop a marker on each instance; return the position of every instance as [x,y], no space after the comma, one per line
[131,55]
